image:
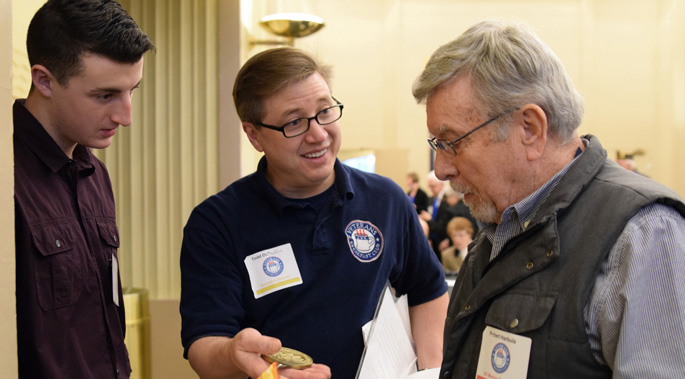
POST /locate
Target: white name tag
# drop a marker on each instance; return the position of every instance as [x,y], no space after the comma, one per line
[272,270]
[503,355]
[115,280]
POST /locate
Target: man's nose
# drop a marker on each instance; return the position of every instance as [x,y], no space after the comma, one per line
[122,113]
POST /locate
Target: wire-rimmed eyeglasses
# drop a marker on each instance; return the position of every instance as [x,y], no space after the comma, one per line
[301,125]
[448,146]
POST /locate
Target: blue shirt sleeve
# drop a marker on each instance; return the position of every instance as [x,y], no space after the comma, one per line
[635,314]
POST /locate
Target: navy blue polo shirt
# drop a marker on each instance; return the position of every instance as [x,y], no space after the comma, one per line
[347,242]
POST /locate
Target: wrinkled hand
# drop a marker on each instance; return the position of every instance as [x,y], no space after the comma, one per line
[246,350]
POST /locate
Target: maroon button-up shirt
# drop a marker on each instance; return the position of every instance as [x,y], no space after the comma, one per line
[68,325]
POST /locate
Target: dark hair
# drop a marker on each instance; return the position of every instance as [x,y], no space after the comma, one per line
[62,30]
[266,73]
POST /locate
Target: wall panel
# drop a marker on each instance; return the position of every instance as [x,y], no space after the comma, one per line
[166,162]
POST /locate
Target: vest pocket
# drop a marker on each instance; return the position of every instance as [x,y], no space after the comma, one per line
[520,312]
[58,265]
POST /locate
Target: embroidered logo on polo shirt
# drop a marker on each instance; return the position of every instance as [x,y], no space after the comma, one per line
[365,240]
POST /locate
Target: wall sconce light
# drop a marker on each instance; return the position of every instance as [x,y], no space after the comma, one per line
[289,25]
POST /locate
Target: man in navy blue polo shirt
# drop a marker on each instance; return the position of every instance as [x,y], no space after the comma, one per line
[298,253]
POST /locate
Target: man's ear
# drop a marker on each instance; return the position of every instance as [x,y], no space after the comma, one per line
[534,136]
[42,79]
[251,132]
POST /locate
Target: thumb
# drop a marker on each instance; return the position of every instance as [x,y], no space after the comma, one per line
[269,345]
[251,340]
[261,343]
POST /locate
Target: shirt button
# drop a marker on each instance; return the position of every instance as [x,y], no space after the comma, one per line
[467,307]
[447,374]
[529,265]
[115,238]
[514,323]
[59,244]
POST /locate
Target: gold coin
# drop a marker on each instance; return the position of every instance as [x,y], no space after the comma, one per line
[291,358]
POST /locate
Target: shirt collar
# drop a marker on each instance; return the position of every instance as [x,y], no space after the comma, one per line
[32,134]
[517,217]
[344,190]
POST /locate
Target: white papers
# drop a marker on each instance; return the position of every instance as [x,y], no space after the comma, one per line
[431,373]
[390,352]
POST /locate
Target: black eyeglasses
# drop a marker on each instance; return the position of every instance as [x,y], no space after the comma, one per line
[301,125]
[448,146]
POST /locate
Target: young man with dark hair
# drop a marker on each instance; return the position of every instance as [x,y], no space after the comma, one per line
[86,60]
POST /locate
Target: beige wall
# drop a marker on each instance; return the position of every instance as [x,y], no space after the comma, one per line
[8,349]
[22,12]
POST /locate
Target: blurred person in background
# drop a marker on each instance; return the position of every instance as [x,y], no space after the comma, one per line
[416,194]
[461,232]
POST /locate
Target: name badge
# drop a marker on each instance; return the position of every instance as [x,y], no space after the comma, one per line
[115,280]
[272,270]
[503,355]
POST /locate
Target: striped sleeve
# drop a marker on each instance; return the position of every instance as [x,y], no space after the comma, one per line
[636,314]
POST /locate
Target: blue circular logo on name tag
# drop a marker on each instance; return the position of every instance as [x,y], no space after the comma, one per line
[272,266]
[500,358]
